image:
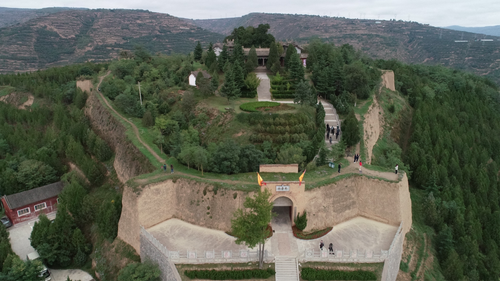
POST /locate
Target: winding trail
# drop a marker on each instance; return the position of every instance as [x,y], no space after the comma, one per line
[136,131]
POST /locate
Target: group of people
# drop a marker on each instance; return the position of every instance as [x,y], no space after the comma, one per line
[171,168]
[331,130]
[330,247]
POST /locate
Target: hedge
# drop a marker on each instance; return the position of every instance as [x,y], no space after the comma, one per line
[252,106]
[321,274]
[230,274]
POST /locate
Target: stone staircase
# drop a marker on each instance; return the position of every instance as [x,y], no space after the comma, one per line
[286,269]
[332,119]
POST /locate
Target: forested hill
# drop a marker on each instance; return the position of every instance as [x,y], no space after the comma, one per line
[410,42]
[96,35]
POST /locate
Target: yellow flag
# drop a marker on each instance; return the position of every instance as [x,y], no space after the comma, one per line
[301,177]
[259,179]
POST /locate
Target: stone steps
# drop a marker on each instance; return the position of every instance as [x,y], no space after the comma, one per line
[286,269]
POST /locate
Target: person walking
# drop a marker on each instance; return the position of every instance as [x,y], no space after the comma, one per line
[165,167]
[333,131]
[327,134]
[360,165]
[321,245]
[337,134]
[340,166]
[330,139]
[327,127]
[397,168]
[171,169]
[330,249]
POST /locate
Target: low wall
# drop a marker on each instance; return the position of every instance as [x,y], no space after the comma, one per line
[279,168]
[154,251]
[391,264]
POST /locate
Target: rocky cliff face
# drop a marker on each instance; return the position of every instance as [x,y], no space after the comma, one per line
[129,161]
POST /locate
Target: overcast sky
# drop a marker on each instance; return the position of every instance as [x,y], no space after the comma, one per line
[433,12]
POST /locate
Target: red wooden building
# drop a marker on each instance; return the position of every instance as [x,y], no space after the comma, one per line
[29,204]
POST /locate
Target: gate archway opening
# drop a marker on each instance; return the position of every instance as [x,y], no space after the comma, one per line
[283,207]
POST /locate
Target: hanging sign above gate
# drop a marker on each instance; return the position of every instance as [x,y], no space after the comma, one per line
[282,188]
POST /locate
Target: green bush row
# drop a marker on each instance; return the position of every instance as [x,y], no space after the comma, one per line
[321,274]
[230,274]
[248,94]
[284,96]
[252,106]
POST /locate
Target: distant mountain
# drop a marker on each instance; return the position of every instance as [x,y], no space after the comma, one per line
[410,42]
[487,30]
[12,16]
[94,35]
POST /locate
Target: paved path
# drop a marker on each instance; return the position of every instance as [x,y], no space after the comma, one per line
[332,119]
[264,89]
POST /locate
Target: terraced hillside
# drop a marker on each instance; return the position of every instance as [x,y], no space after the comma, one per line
[94,35]
[12,16]
[410,42]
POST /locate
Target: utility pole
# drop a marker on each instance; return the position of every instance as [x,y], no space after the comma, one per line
[140,96]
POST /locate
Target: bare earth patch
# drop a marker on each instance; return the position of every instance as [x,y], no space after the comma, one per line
[84,85]
[373,124]
[16,99]
[27,103]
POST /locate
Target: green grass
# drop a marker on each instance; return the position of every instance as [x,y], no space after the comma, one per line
[5,90]
[220,266]
[222,103]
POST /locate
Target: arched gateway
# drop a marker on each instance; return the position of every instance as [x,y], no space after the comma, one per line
[288,199]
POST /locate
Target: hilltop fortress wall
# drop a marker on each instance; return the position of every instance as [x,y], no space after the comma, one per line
[129,161]
[201,204]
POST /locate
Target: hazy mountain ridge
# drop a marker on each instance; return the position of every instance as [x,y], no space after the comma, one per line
[410,42]
[486,30]
[12,16]
[81,35]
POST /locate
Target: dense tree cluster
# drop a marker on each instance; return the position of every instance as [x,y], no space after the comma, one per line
[341,74]
[252,36]
[454,154]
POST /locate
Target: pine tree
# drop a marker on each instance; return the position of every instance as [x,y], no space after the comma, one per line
[223,57]
[296,69]
[198,52]
[350,129]
[229,89]
[214,83]
[289,52]
[238,55]
[211,56]
[274,57]
[304,94]
[252,60]
[238,75]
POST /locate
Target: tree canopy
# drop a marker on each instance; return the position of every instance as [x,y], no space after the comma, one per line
[249,224]
[252,36]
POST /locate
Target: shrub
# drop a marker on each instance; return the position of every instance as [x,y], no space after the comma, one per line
[319,274]
[230,274]
[301,221]
[252,106]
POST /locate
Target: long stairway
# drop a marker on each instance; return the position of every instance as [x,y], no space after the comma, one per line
[332,119]
[286,269]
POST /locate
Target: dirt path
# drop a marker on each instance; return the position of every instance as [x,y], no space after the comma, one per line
[136,131]
[354,168]
[373,123]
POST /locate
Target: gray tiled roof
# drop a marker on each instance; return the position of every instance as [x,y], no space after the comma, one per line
[205,74]
[24,198]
